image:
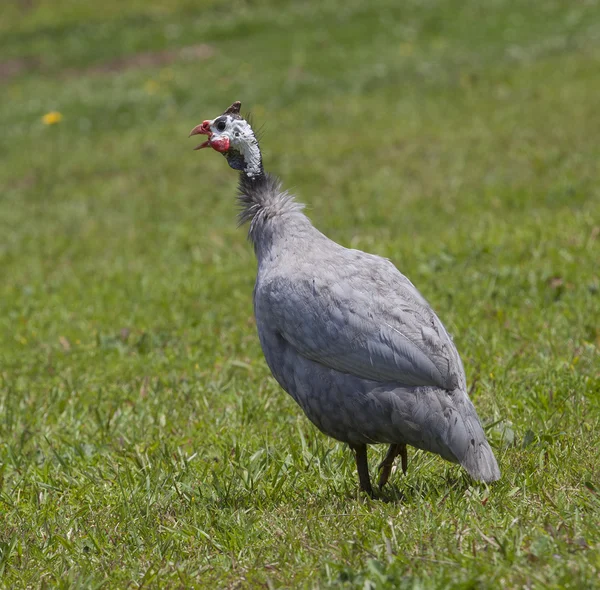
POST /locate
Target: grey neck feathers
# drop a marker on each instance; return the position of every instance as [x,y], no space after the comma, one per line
[266,208]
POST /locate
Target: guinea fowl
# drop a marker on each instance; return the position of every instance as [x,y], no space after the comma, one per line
[345,333]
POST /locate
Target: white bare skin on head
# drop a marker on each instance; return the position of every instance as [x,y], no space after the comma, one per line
[241,139]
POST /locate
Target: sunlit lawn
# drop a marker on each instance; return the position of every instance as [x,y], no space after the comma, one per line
[142,439]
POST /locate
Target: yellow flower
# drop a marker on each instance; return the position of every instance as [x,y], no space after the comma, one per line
[52,118]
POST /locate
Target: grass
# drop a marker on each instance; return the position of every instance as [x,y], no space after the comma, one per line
[142,439]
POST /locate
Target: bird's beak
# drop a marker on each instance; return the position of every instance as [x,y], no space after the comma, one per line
[219,143]
[202,129]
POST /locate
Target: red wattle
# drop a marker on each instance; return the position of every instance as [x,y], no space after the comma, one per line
[220,144]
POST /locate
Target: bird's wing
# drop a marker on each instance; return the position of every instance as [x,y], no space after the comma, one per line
[360,315]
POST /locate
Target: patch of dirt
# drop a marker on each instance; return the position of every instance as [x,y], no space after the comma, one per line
[150,59]
[147,59]
[16,66]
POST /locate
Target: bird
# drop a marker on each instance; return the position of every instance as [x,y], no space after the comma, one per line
[344,332]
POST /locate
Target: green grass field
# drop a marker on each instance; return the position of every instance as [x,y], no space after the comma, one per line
[142,439]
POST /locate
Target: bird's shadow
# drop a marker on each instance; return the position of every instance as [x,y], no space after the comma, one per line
[406,492]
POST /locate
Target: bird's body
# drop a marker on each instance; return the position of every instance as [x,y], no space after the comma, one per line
[353,342]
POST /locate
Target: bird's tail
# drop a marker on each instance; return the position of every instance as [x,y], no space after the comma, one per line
[446,423]
[468,443]
[443,422]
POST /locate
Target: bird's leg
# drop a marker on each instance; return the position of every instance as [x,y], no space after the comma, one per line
[385,467]
[404,458]
[360,453]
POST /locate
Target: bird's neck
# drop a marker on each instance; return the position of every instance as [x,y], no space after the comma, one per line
[271,212]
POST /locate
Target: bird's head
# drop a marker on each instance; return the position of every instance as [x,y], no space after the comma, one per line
[231,135]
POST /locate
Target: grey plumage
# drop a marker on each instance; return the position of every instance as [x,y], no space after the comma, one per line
[352,340]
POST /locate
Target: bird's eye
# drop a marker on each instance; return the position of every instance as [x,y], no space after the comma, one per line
[221,125]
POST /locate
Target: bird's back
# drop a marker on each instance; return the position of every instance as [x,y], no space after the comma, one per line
[355,312]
